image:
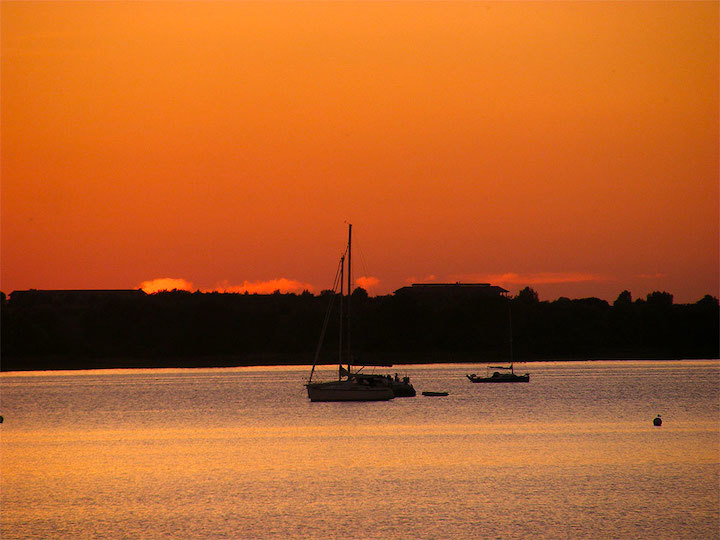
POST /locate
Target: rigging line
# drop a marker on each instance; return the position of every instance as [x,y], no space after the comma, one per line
[325,322]
[359,249]
[510,335]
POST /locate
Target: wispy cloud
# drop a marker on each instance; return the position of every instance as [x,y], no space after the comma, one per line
[534,278]
[166,284]
[283,285]
[367,282]
[427,279]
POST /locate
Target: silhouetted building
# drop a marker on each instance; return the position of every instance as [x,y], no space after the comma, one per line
[447,291]
[70,296]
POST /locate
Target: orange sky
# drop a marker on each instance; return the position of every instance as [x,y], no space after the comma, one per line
[569,146]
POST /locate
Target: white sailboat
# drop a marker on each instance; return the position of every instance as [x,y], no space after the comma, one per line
[349,386]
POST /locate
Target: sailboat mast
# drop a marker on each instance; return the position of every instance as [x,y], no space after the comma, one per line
[510,336]
[342,316]
[349,291]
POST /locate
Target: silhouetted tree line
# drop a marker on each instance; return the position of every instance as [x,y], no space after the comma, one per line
[180,328]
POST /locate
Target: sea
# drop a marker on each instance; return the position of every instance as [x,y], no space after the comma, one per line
[242,453]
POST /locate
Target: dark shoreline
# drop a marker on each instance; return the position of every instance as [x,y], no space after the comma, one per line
[54,363]
[54,330]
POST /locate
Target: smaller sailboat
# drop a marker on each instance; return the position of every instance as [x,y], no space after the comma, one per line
[500,376]
[349,386]
[507,375]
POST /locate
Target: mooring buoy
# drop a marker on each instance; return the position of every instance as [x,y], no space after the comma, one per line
[657,421]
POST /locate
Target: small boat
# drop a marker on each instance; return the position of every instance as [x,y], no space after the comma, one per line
[500,377]
[435,393]
[401,387]
[507,375]
[349,386]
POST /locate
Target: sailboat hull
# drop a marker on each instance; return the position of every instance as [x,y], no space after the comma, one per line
[348,391]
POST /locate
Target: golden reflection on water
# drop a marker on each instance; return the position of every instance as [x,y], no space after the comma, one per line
[101,452]
[412,470]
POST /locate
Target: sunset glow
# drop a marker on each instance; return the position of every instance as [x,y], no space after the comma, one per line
[165,284]
[283,285]
[569,146]
[368,283]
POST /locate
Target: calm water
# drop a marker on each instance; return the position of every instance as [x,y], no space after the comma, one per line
[242,453]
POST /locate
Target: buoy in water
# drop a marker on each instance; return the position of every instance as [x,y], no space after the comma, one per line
[657,421]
